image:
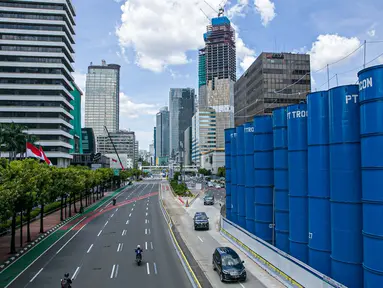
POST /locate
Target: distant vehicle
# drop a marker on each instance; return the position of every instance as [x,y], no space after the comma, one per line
[228,265]
[201,221]
[218,186]
[209,198]
[210,184]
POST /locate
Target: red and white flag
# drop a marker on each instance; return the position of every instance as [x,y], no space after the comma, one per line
[33,152]
[45,158]
[114,160]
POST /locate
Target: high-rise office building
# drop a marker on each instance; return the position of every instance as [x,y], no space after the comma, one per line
[124,142]
[162,133]
[102,102]
[203,133]
[181,108]
[217,74]
[155,144]
[273,80]
[187,158]
[76,142]
[88,141]
[36,56]
[136,151]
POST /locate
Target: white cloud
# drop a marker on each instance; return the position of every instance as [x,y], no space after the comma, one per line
[371,32]
[144,138]
[238,9]
[130,109]
[380,60]
[266,9]
[162,31]
[328,49]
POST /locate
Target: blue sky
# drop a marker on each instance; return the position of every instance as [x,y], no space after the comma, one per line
[156,42]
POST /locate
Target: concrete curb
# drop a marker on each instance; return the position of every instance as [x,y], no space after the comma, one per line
[13,258]
[195,197]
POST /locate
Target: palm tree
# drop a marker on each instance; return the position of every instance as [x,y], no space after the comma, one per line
[14,139]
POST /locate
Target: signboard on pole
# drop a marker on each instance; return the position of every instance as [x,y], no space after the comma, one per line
[116,172]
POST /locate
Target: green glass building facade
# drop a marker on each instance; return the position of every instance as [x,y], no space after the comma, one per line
[76,121]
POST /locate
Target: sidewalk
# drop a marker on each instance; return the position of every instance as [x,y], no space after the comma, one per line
[50,221]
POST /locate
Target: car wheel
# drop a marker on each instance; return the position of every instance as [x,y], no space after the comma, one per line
[221,277]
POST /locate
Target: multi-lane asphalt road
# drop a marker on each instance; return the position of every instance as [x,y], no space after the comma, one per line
[99,251]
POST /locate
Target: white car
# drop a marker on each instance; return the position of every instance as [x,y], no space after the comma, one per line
[218,186]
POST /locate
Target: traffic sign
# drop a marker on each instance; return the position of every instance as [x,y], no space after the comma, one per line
[116,172]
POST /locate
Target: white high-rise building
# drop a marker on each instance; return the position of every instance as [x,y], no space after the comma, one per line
[36,56]
[102,102]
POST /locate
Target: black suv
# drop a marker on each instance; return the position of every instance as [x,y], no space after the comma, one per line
[201,221]
[228,265]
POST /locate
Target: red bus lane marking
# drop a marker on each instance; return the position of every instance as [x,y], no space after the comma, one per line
[126,202]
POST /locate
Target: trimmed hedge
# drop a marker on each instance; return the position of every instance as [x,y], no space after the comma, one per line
[180,189]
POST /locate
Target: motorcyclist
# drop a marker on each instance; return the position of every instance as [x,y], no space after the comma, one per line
[114,201]
[138,251]
[66,281]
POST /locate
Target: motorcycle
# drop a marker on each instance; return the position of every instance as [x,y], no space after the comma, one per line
[66,282]
[114,202]
[138,258]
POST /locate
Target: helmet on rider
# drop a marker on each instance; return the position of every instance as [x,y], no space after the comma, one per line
[138,246]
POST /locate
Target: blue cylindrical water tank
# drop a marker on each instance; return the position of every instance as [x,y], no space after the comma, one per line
[297,159]
[228,133]
[249,176]
[281,184]
[371,132]
[263,177]
[318,182]
[234,207]
[345,186]
[241,197]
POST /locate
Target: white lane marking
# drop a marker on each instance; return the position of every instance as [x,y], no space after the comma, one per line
[111,274]
[118,248]
[147,208]
[101,210]
[146,231]
[151,245]
[241,284]
[75,273]
[123,232]
[147,267]
[149,231]
[115,276]
[127,222]
[132,209]
[146,213]
[146,221]
[126,198]
[134,204]
[99,233]
[112,216]
[106,223]
[116,209]
[89,248]
[70,239]
[200,238]
[146,245]
[130,214]
[36,275]
[155,268]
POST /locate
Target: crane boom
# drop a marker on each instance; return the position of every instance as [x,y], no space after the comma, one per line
[114,147]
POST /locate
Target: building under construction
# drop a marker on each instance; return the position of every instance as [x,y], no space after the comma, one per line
[217,74]
[273,80]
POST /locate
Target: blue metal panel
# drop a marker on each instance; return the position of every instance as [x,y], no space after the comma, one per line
[241,197]
[297,159]
[220,21]
[345,186]
[228,133]
[249,176]
[234,208]
[371,141]
[263,177]
[319,182]
[281,183]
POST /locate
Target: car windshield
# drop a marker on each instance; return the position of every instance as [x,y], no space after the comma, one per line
[200,217]
[229,260]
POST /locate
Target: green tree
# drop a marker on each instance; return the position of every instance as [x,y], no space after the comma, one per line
[44,192]
[221,172]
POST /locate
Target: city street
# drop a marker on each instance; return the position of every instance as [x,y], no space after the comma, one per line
[99,252]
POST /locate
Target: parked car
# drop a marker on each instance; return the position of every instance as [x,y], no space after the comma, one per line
[228,265]
[201,221]
[210,184]
[218,186]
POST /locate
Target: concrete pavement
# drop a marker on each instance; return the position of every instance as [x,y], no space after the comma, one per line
[99,252]
[202,243]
